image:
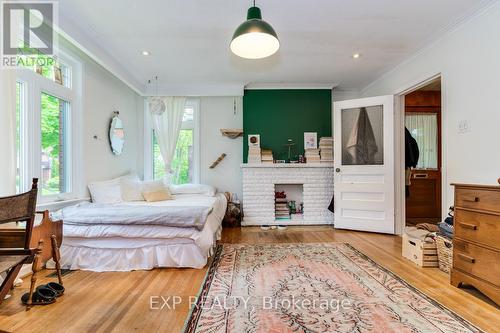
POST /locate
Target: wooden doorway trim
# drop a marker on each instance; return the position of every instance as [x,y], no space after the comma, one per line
[399,134]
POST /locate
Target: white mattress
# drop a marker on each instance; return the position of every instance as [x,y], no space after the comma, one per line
[132,247]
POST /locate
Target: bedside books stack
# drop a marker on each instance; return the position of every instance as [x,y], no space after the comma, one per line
[312,156]
[326,149]
[267,156]
[254,155]
[281,209]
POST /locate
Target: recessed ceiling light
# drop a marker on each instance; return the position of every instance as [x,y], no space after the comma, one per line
[146,53]
[356,56]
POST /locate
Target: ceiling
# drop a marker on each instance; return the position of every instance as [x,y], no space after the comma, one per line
[189,39]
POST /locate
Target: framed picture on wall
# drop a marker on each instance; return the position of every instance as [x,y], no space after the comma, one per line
[254,140]
[310,140]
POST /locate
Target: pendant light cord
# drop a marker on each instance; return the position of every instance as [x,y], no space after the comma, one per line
[156,78]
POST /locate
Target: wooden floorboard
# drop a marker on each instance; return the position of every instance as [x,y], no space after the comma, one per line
[120,301]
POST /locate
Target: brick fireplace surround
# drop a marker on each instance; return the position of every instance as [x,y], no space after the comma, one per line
[259,182]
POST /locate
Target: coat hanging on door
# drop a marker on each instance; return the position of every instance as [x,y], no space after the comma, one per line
[362,145]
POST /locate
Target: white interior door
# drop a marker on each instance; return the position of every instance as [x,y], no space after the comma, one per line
[364,164]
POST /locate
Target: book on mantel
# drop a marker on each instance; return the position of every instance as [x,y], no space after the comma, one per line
[254,155]
[267,156]
[326,149]
[312,155]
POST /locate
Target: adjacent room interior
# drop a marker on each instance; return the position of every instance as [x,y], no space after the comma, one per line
[423,121]
[249,166]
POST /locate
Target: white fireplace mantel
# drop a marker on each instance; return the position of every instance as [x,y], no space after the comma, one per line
[287,165]
[259,182]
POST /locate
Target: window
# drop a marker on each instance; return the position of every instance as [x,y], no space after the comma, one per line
[424,129]
[184,162]
[20,110]
[54,70]
[48,124]
[55,155]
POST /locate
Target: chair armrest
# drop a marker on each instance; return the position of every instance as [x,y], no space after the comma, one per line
[44,213]
[17,252]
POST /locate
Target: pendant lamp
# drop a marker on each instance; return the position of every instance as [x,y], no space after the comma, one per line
[254,38]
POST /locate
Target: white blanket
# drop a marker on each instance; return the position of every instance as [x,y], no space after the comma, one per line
[125,214]
[130,247]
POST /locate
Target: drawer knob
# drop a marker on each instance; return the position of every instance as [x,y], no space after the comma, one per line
[468,226]
[466,258]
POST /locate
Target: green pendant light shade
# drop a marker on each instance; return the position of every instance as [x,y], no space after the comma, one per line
[254,38]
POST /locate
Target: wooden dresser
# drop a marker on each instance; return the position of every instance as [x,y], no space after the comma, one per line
[476,244]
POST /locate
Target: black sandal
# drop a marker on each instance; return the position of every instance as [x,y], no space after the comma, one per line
[56,287]
[41,296]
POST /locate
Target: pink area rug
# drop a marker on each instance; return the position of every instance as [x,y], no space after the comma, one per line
[328,287]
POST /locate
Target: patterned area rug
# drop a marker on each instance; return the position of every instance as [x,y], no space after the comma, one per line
[311,288]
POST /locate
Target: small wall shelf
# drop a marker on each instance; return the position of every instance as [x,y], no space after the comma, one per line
[232,133]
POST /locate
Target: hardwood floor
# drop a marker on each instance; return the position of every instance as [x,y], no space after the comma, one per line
[120,301]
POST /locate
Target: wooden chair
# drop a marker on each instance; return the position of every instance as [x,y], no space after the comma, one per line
[17,208]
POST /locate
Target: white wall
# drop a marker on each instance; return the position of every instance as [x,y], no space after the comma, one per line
[103,93]
[468,59]
[217,113]
[342,95]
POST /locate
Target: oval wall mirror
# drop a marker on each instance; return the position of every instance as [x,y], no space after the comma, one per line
[116,135]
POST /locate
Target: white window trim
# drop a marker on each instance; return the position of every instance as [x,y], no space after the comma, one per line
[193,103]
[30,155]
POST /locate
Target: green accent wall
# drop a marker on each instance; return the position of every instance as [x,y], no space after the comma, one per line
[279,115]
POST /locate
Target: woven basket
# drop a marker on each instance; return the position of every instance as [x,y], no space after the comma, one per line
[445,253]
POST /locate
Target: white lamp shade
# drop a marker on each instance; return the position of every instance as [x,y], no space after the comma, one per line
[255,45]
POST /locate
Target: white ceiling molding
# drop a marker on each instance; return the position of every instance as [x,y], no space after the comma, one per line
[253,86]
[98,54]
[195,89]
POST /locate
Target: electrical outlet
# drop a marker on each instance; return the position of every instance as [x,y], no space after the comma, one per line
[464,126]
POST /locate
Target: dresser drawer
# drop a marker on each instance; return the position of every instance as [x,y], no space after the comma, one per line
[478,227]
[480,199]
[477,261]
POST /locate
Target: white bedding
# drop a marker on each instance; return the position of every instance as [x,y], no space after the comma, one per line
[131,247]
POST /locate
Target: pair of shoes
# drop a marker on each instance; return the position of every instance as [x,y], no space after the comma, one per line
[44,294]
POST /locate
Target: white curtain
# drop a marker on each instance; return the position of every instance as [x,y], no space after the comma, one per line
[7,132]
[167,122]
[423,128]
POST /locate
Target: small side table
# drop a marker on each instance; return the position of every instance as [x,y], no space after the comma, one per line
[233,216]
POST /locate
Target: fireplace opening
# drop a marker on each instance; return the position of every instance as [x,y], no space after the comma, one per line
[289,202]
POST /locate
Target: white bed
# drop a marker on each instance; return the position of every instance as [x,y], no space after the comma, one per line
[137,247]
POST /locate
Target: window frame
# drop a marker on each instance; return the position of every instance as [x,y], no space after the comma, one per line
[193,103]
[34,85]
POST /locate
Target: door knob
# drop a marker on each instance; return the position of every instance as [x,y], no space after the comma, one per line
[337,170]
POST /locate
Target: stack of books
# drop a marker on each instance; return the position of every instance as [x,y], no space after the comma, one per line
[281,209]
[312,156]
[267,156]
[254,155]
[326,149]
